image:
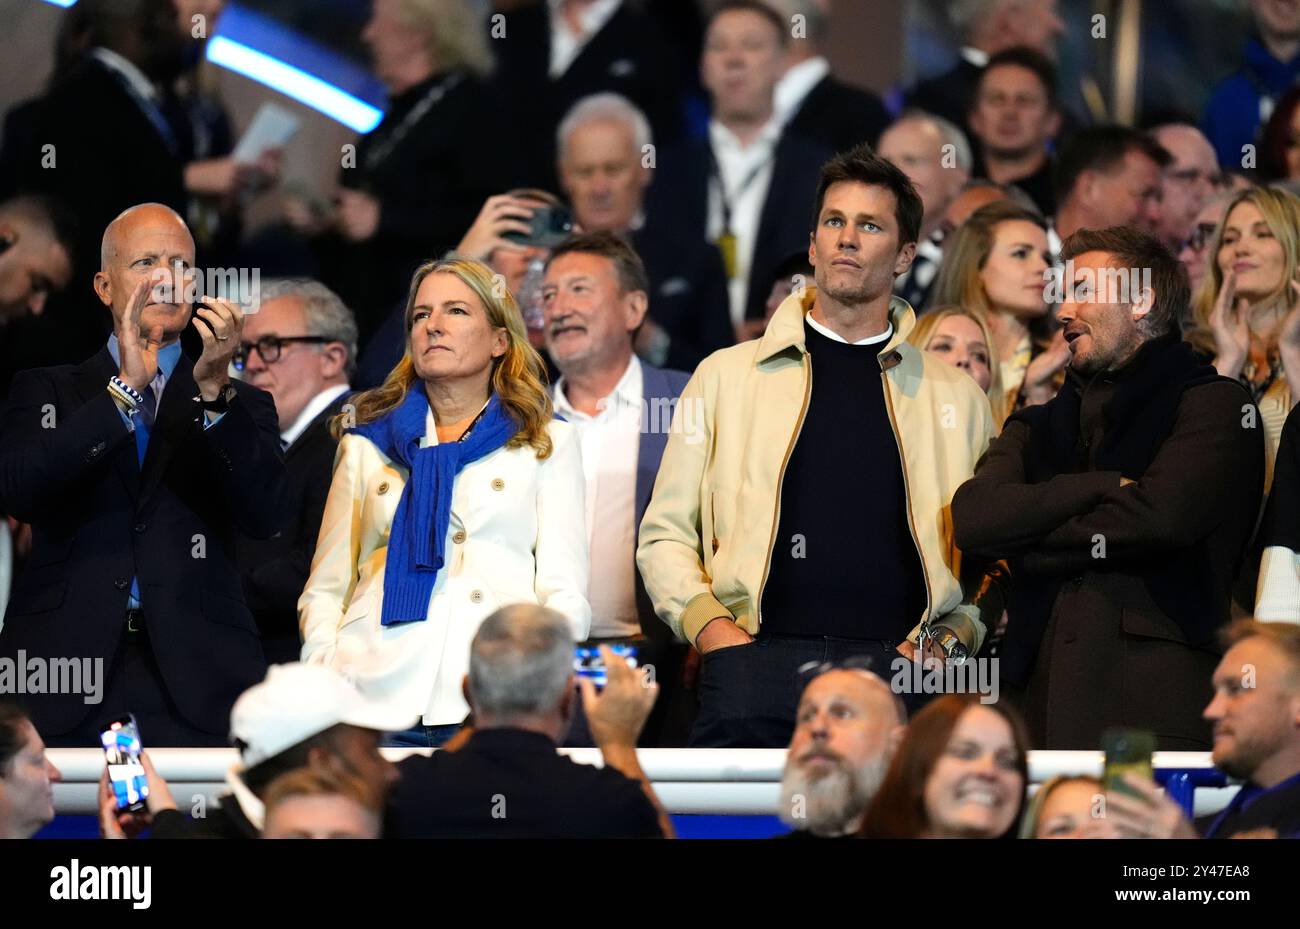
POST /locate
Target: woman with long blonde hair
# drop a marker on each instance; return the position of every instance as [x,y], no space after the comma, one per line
[996,266]
[455,492]
[962,338]
[1246,314]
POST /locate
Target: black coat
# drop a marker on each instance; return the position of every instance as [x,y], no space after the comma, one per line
[98,519]
[688,295]
[839,116]
[629,55]
[1118,591]
[274,571]
[678,202]
[948,94]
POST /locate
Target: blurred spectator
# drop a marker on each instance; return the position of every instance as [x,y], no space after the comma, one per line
[810,100]
[1241,102]
[1277,596]
[1124,505]
[770,425]
[847,727]
[298,717]
[606,164]
[986,27]
[1062,808]
[135,500]
[413,183]
[962,338]
[300,347]
[27,776]
[747,185]
[996,266]
[795,273]
[1194,251]
[1246,318]
[216,182]
[1015,117]
[960,773]
[621,408]
[979,192]
[1279,155]
[551,54]
[35,256]
[1190,181]
[1256,717]
[508,780]
[1107,176]
[318,804]
[479,495]
[936,158]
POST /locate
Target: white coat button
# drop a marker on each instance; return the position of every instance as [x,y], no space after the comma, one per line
[477,596]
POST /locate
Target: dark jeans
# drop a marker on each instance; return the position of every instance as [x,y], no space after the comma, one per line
[749,693]
[135,685]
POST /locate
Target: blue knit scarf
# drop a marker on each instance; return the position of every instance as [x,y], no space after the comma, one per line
[415,553]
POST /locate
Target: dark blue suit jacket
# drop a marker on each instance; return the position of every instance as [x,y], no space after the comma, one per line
[69,466]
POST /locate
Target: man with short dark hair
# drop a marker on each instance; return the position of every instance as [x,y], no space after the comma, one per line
[35,256]
[1123,506]
[27,776]
[1191,180]
[1014,117]
[507,780]
[1107,176]
[803,523]
[594,298]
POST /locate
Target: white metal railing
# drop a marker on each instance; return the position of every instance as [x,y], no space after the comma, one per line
[734,781]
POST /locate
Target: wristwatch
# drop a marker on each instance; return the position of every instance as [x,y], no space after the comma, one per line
[948,642]
[222,402]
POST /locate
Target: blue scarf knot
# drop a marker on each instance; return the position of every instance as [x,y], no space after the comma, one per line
[415,543]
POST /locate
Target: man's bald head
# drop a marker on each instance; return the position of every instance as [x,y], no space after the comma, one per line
[131,220]
[36,254]
[148,243]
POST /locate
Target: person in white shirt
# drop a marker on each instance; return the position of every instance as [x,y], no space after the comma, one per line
[301,348]
[455,492]
[594,299]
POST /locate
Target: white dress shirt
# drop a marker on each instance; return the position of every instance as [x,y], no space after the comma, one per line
[567,45]
[738,164]
[315,406]
[610,442]
[133,75]
[795,85]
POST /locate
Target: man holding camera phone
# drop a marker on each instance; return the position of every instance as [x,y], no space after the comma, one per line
[136,468]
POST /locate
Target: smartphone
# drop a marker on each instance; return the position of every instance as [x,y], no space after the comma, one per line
[588,663]
[1128,751]
[551,225]
[122,747]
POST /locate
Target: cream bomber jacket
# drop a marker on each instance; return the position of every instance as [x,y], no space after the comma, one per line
[706,540]
[517,535]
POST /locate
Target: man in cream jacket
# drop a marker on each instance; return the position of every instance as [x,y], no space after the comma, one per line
[805,519]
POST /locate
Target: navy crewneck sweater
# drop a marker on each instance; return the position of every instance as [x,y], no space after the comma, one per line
[844,562]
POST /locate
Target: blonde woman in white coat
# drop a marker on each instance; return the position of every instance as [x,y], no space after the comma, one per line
[455,492]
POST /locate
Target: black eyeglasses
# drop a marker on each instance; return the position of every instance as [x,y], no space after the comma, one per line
[270,346]
[1200,236]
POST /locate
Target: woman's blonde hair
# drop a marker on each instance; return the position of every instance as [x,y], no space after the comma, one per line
[1281,212]
[958,282]
[518,376]
[1034,809]
[454,33]
[924,330]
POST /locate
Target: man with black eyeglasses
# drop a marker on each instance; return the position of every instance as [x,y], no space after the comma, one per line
[301,348]
[1189,181]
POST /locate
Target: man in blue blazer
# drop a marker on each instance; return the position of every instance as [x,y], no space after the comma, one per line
[136,469]
[594,298]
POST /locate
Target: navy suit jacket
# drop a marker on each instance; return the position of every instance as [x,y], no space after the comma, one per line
[663,386]
[68,466]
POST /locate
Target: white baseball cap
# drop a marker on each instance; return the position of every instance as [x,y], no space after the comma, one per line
[298,701]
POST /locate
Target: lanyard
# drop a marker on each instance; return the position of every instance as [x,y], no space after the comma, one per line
[726,241]
[394,138]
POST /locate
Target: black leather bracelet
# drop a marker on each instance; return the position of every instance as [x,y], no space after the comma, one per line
[222,402]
